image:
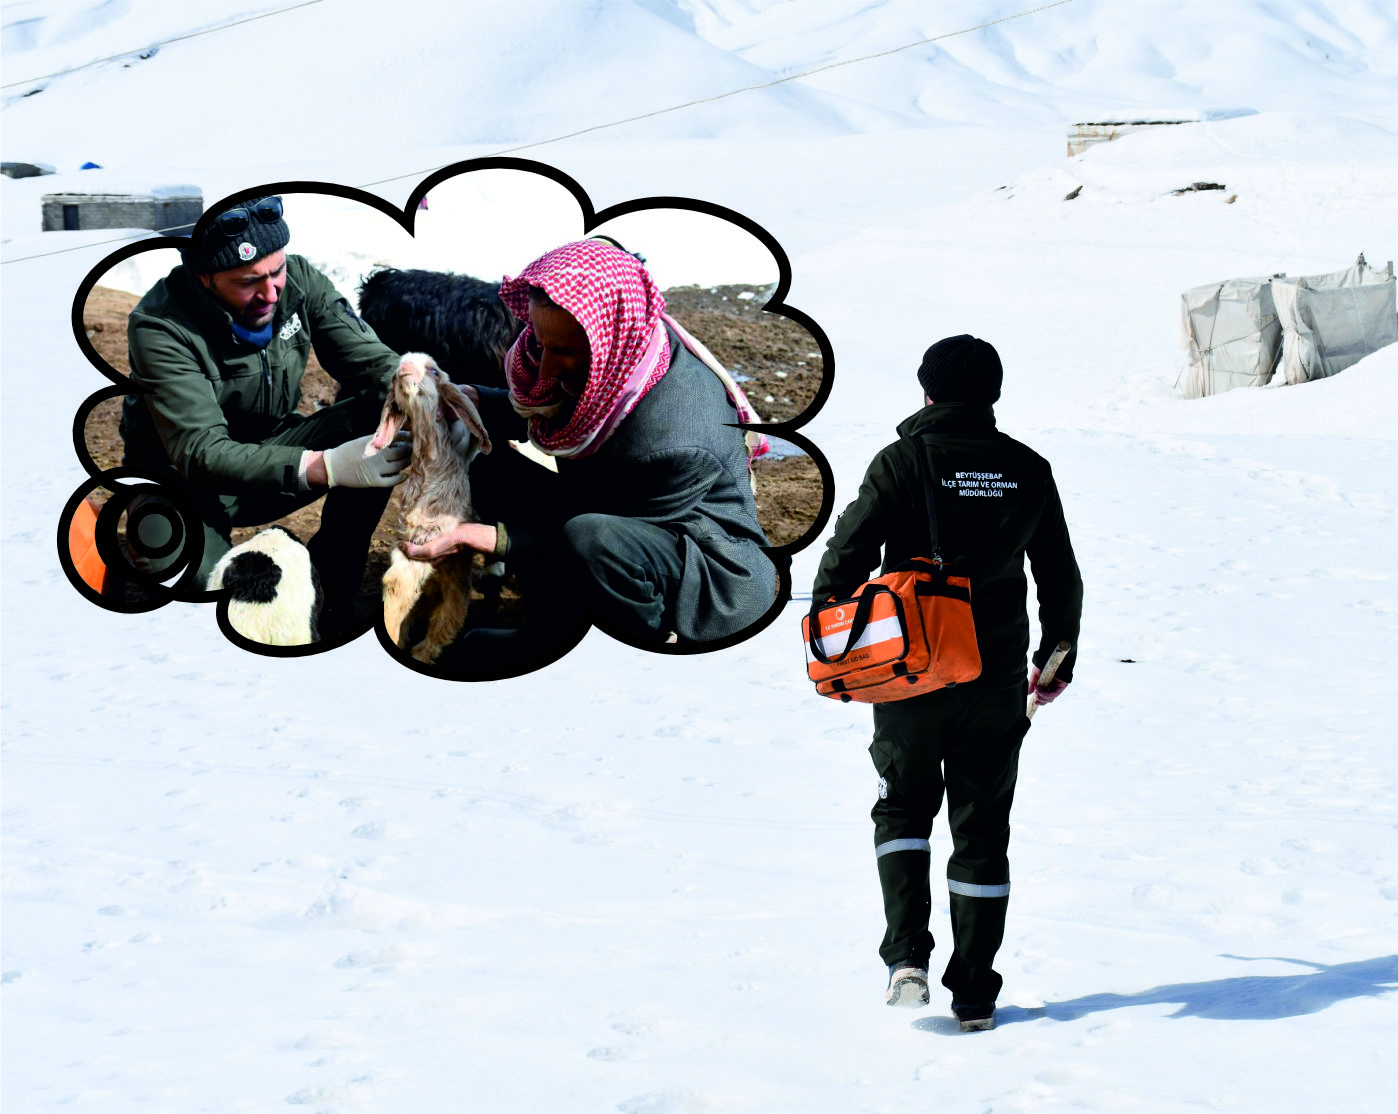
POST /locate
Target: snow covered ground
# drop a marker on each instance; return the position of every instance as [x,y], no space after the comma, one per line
[638,883]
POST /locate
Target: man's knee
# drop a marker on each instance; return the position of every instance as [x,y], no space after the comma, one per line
[365,408]
[590,537]
[626,570]
[615,550]
[348,417]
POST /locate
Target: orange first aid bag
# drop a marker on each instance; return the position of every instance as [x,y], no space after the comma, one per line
[82,546]
[901,634]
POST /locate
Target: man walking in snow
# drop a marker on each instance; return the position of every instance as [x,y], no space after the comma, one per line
[995,503]
[218,349]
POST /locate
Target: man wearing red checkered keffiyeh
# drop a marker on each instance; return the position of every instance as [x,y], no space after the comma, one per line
[610,295]
[650,520]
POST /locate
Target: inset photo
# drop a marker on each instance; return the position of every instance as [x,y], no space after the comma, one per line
[481,426]
[241,442]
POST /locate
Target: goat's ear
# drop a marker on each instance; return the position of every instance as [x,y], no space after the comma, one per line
[455,400]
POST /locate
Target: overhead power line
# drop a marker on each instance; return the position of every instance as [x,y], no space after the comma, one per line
[594,127]
[744,89]
[157,45]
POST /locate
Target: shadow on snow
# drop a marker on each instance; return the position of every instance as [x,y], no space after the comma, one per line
[1246,998]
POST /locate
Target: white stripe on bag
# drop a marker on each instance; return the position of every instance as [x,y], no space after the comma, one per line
[901,845]
[970,889]
[881,630]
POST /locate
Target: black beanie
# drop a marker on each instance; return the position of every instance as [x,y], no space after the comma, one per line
[221,251]
[961,369]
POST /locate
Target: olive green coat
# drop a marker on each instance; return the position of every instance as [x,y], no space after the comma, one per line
[213,400]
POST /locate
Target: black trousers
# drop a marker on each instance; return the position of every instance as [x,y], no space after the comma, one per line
[964,743]
[625,570]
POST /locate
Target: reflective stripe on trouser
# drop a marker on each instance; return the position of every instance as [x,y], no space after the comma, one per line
[971,889]
[902,845]
[963,743]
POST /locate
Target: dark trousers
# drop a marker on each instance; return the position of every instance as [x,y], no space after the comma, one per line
[964,742]
[339,548]
[626,571]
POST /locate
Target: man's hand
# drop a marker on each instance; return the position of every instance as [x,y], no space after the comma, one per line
[1045,695]
[469,535]
[347,466]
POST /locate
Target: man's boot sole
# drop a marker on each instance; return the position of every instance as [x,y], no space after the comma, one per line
[910,991]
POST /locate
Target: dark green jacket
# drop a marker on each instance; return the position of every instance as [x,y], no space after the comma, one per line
[996,502]
[214,398]
[677,462]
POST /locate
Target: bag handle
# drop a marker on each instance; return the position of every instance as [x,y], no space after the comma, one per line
[856,630]
[927,492]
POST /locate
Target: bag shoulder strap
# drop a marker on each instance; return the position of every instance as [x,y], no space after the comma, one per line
[917,443]
[857,626]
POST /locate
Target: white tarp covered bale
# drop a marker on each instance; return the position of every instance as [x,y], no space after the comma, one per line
[1332,321]
[1232,333]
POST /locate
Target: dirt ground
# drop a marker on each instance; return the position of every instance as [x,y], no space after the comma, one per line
[776,360]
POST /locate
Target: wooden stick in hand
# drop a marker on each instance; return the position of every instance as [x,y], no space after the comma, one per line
[1046,677]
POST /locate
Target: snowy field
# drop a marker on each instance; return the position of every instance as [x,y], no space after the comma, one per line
[645,884]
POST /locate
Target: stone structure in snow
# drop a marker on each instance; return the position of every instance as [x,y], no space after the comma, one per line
[171,210]
[1114,125]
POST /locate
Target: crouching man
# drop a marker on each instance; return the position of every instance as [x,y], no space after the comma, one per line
[995,502]
[219,346]
[650,519]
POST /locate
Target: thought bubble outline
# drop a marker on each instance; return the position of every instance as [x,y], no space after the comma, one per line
[406,218]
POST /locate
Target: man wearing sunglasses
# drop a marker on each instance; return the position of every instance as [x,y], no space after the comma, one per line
[218,348]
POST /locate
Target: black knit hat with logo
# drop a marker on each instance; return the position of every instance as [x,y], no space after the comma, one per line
[220,250]
[961,369]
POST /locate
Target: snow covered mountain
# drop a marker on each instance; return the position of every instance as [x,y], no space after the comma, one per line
[644,884]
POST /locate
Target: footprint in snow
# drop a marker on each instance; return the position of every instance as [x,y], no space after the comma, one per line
[380,830]
[669,1102]
[635,1028]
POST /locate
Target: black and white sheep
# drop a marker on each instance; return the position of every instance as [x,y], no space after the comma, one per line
[274,592]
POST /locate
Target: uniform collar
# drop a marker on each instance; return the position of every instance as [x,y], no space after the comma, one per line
[948,416]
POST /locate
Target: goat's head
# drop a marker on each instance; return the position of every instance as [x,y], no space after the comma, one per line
[423,399]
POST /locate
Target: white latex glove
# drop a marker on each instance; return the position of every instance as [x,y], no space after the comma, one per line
[347,466]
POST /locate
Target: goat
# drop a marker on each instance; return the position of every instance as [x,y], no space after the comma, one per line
[436,499]
[274,593]
[459,319]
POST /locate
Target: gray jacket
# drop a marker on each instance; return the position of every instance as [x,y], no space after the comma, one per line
[676,461]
